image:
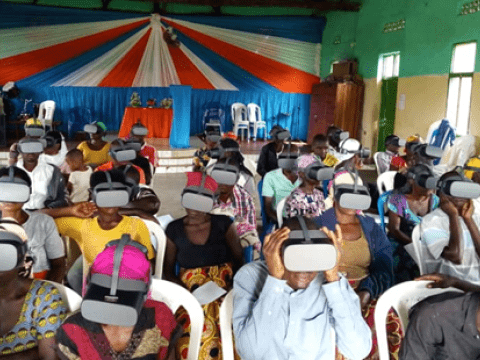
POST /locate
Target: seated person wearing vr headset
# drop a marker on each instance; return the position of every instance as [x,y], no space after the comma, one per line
[392,146]
[202,156]
[144,202]
[270,152]
[110,191]
[55,148]
[444,326]
[116,321]
[95,150]
[367,254]
[31,310]
[139,132]
[286,306]
[407,206]
[48,184]
[122,153]
[306,200]
[46,246]
[279,183]
[234,201]
[320,150]
[207,248]
[33,130]
[451,233]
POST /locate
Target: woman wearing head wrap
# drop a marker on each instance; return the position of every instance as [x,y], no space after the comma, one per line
[95,150]
[207,249]
[153,335]
[31,310]
[306,200]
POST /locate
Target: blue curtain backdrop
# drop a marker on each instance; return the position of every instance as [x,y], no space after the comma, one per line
[180,132]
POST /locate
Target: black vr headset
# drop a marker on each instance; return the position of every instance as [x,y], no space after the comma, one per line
[459,186]
[34,131]
[352,196]
[318,171]
[423,176]
[287,159]
[123,152]
[111,299]
[308,250]
[111,194]
[198,198]
[225,173]
[12,251]
[31,146]
[139,130]
[13,189]
[280,134]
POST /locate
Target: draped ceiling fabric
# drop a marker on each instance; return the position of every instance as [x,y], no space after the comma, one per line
[70,55]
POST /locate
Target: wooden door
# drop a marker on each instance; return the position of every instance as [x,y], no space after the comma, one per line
[322,109]
[349,108]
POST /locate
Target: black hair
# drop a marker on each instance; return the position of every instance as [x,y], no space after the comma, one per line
[415,170]
[55,135]
[131,173]
[236,156]
[17,172]
[319,138]
[99,177]
[293,224]
[74,154]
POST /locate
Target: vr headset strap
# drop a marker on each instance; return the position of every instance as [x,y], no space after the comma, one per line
[303,225]
[109,180]
[472,168]
[117,260]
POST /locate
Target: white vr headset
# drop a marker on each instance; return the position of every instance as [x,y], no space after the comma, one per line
[459,186]
[318,171]
[287,160]
[225,173]
[198,198]
[124,152]
[13,189]
[90,128]
[139,130]
[352,196]
[34,131]
[113,300]
[111,194]
[423,176]
[12,251]
[308,250]
[31,146]
[425,150]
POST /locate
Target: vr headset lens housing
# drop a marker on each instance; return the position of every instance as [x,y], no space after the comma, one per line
[461,189]
[12,251]
[34,131]
[123,154]
[134,144]
[319,172]
[225,174]
[308,251]
[122,309]
[13,192]
[30,147]
[349,197]
[197,198]
[90,128]
[111,195]
[139,131]
[282,135]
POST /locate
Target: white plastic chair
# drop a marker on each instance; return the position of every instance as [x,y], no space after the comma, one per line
[401,297]
[255,120]
[174,296]
[226,334]
[385,181]
[159,242]
[280,207]
[71,299]
[240,120]
[375,159]
[45,113]
[415,249]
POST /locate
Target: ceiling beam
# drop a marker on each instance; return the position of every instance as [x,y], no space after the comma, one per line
[319,5]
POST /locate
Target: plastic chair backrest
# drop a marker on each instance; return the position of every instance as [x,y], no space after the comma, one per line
[174,296]
[226,333]
[375,159]
[158,237]
[417,249]
[71,299]
[381,208]
[239,113]
[254,113]
[49,108]
[401,297]
[280,206]
[386,181]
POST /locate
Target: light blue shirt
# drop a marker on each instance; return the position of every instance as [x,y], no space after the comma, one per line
[271,321]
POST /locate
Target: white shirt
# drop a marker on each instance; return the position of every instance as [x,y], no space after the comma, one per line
[80,181]
[41,177]
[57,159]
[435,236]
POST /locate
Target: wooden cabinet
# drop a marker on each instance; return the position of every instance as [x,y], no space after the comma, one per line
[339,104]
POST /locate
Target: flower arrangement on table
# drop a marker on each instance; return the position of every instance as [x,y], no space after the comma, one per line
[166,103]
[135,100]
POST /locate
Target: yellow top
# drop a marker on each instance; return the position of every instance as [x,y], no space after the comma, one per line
[473,162]
[355,259]
[90,156]
[330,160]
[91,238]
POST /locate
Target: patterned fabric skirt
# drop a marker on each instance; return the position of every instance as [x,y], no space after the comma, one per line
[211,347]
[394,333]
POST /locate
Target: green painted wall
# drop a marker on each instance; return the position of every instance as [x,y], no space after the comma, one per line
[432,28]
